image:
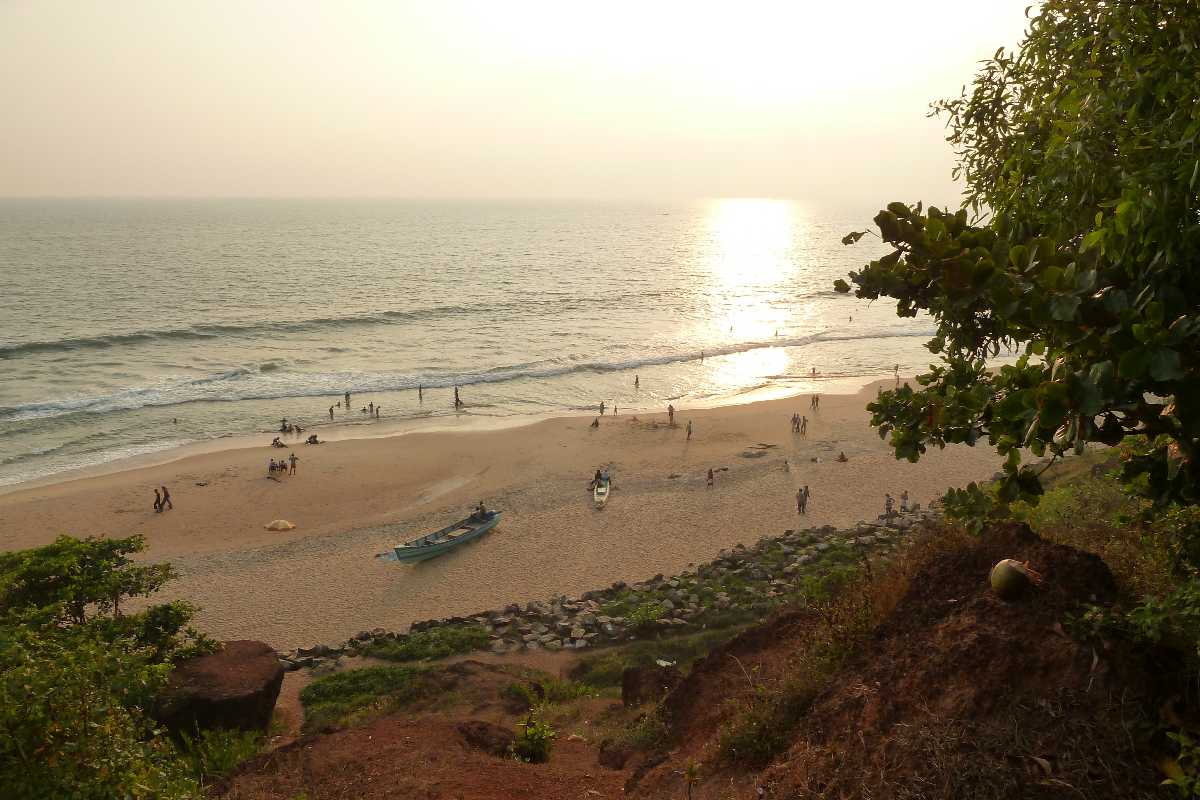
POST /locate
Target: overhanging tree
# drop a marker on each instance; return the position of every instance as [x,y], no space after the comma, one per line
[1077,245]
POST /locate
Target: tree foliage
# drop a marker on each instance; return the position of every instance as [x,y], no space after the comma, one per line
[1076,247]
[78,674]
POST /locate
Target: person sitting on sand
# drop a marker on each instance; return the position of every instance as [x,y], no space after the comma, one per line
[842,457]
[312,439]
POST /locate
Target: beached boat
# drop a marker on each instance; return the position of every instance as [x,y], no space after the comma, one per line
[439,542]
[600,494]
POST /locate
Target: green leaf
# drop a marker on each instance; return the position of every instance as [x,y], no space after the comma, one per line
[1063,307]
[1165,365]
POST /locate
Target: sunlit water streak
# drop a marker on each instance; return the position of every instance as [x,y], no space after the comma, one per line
[132,326]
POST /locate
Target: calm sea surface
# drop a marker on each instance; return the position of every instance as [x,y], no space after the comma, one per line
[129,327]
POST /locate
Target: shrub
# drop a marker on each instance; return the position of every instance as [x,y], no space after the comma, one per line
[215,753]
[431,644]
[71,720]
[335,699]
[535,739]
[645,615]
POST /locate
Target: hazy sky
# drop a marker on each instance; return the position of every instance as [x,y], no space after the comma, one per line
[823,101]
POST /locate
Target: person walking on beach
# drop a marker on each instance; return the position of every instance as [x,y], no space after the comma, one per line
[888,505]
[636,381]
[804,426]
[689,430]
[670,415]
[420,393]
[292,459]
[166,500]
[904,501]
[457,401]
[157,502]
[602,408]
[710,477]
[347,401]
[804,500]
[800,501]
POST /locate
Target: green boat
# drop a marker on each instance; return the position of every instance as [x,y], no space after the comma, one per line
[435,544]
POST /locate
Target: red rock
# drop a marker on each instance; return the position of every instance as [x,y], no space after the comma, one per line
[234,688]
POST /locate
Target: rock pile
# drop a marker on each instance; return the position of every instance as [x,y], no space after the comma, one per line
[743,581]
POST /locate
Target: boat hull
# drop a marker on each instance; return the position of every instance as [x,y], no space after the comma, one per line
[443,541]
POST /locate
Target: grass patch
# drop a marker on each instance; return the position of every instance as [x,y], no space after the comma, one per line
[553,691]
[604,669]
[346,697]
[214,753]
[431,644]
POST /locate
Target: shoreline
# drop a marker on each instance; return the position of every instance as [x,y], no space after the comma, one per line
[354,498]
[398,427]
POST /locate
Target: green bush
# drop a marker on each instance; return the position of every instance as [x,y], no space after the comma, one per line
[645,615]
[431,644]
[335,699]
[535,739]
[215,753]
[72,721]
[77,673]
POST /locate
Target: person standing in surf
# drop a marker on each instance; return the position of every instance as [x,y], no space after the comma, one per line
[347,401]
[331,413]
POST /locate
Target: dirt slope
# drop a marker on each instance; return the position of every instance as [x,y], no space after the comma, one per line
[958,694]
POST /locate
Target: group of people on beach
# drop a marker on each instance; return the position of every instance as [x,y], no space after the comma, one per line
[799,424]
[889,504]
[802,500]
[162,502]
[281,467]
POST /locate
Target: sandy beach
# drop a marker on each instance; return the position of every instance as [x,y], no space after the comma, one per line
[354,498]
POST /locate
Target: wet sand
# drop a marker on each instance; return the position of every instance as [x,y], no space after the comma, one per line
[354,498]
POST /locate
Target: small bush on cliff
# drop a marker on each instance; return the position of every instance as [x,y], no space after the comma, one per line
[431,644]
[535,740]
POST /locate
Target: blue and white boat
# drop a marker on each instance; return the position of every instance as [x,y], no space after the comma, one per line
[439,542]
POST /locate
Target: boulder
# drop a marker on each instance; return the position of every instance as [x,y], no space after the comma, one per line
[614,754]
[643,684]
[235,687]
[486,736]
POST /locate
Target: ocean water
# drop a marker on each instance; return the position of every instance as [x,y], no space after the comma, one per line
[135,326]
